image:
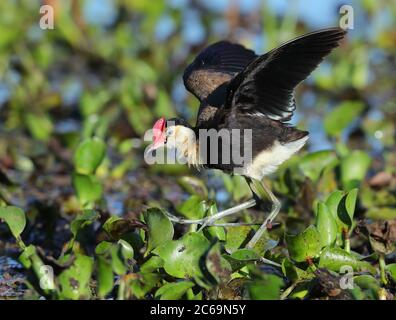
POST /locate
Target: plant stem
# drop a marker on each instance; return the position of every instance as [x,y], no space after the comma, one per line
[382,269]
[289,290]
[347,241]
[348,245]
[121,290]
[20,243]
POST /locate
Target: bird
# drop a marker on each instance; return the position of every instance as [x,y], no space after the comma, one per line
[250,99]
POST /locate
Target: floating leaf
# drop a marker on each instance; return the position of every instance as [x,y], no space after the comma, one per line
[118,227]
[304,245]
[294,273]
[333,201]
[336,258]
[173,291]
[217,232]
[391,268]
[264,244]
[39,125]
[217,267]
[236,237]
[144,283]
[160,228]
[103,247]
[341,116]
[82,220]
[74,281]
[88,188]
[346,209]
[24,258]
[354,167]
[386,213]
[326,225]
[267,288]
[152,264]
[182,256]
[239,258]
[126,249]
[93,102]
[89,155]
[369,284]
[193,186]
[15,218]
[105,277]
[314,163]
[193,208]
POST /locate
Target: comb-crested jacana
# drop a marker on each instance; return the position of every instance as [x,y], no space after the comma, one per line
[240,90]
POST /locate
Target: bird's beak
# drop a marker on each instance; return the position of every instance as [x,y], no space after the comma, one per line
[159,137]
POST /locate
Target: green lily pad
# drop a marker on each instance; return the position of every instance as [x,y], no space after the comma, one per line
[117,228]
[25,256]
[182,256]
[333,201]
[266,288]
[39,125]
[236,237]
[193,186]
[353,169]
[103,247]
[160,228]
[218,267]
[391,268]
[304,245]
[341,116]
[105,277]
[89,155]
[82,220]
[336,258]
[193,208]
[15,218]
[119,255]
[216,232]
[74,281]
[346,209]
[241,257]
[294,273]
[88,188]
[126,249]
[117,260]
[313,164]
[326,225]
[173,291]
[152,264]
[143,284]
[384,213]
[369,285]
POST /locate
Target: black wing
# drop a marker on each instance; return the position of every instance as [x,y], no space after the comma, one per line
[217,64]
[266,85]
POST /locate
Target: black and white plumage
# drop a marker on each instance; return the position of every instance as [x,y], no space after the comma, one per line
[239,89]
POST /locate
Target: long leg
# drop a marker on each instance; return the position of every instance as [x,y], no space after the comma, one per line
[245,205]
[210,221]
[274,212]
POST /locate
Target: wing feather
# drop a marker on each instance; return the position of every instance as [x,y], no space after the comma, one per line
[215,65]
[266,85]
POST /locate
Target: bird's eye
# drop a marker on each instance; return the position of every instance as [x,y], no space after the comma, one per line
[169,132]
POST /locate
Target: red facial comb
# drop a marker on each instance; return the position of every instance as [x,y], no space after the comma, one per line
[158,129]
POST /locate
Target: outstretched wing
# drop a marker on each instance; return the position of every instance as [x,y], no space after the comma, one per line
[217,64]
[266,85]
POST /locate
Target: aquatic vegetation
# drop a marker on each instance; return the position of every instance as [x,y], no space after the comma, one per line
[82,216]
